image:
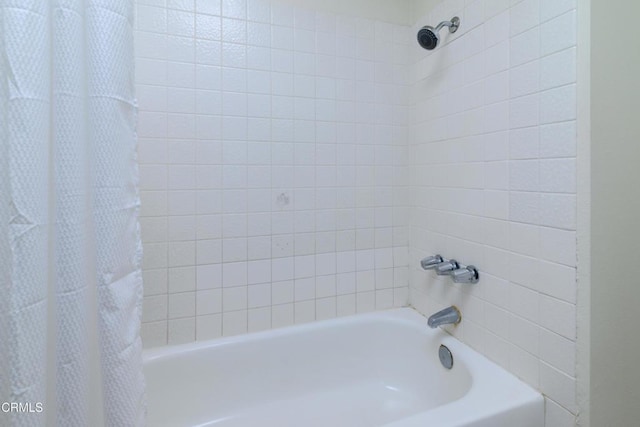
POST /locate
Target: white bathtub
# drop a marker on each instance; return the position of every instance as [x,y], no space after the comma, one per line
[378,369]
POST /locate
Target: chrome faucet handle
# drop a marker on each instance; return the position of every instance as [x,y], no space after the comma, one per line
[431,262]
[468,274]
[447,267]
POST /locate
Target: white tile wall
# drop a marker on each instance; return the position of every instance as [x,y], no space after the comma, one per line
[273,152]
[493,167]
[287,155]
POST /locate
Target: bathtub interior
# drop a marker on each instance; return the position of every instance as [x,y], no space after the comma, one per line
[359,373]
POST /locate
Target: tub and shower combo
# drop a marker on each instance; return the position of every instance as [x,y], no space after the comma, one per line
[390,368]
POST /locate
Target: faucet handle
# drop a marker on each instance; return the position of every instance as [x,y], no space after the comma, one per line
[468,274]
[447,267]
[431,262]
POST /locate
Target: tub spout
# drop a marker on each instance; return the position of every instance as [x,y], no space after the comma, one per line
[448,316]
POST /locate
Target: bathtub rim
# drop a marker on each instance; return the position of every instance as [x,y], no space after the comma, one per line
[404,315]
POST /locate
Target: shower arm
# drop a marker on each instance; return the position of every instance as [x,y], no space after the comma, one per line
[453,25]
[443,24]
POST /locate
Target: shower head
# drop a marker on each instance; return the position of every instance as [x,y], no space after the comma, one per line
[428,36]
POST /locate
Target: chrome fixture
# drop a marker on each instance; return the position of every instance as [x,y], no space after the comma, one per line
[448,316]
[447,267]
[429,38]
[450,267]
[431,262]
[468,274]
[445,356]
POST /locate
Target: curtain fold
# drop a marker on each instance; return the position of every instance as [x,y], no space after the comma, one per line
[70,248]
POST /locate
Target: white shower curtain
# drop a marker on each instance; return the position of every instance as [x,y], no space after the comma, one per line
[70,249]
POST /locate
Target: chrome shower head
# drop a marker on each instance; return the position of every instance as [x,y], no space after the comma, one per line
[428,36]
